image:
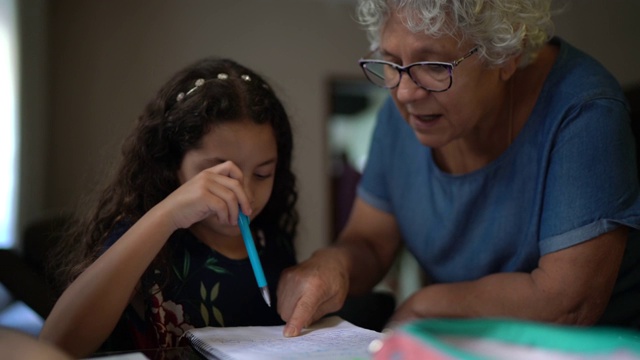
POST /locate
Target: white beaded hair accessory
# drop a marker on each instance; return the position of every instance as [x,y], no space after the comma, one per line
[220,76]
[198,83]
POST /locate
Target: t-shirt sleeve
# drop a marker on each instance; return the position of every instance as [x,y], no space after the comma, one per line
[591,185]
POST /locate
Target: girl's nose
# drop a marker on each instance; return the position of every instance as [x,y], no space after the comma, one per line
[248,190]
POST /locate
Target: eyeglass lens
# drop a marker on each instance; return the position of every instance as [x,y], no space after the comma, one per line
[436,77]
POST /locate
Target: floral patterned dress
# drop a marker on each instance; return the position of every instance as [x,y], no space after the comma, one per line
[204,288]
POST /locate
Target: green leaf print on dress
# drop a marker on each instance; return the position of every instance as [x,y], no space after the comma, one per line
[204,311]
[184,274]
[211,265]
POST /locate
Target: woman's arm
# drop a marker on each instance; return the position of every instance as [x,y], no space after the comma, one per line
[362,255]
[570,286]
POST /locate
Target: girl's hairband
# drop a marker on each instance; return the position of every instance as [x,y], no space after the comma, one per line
[220,76]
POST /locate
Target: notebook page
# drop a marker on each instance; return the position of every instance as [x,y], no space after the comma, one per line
[330,338]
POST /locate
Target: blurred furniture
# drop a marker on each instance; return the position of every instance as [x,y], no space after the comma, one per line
[26,298]
[344,182]
[370,311]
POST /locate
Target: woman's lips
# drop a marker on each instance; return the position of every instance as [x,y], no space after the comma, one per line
[423,122]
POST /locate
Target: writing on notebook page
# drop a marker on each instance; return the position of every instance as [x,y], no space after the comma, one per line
[330,338]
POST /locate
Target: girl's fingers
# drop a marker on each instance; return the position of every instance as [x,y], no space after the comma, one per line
[229,192]
[215,191]
[231,171]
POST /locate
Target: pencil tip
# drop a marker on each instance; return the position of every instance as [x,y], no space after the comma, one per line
[265,295]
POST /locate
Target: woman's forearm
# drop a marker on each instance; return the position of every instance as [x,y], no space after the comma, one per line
[570,286]
[364,265]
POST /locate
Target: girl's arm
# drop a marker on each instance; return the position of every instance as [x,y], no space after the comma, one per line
[89,309]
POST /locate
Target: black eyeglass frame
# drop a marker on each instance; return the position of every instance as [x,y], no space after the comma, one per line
[407,69]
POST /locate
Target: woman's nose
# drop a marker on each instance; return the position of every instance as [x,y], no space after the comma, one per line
[408,91]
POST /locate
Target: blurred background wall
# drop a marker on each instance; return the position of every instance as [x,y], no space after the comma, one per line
[89,67]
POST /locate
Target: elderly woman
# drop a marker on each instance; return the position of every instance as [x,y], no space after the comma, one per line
[503,161]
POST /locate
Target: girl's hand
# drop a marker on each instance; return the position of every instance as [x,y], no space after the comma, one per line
[215,191]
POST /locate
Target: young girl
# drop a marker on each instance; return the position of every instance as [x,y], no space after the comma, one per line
[162,252]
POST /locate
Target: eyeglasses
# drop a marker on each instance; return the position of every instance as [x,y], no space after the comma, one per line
[432,76]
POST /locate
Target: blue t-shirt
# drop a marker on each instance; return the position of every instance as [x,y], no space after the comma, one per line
[569,176]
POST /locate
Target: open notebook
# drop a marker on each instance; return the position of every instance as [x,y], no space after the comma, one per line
[330,338]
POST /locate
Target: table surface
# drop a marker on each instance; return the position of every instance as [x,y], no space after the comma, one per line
[186,352]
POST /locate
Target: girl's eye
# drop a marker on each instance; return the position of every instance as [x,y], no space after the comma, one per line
[263,176]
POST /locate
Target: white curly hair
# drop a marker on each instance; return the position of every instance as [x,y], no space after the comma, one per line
[499,28]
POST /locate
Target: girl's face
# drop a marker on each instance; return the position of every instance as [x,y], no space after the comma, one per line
[252,148]
[468,108]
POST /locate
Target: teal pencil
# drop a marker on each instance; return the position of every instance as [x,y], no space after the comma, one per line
[243,222]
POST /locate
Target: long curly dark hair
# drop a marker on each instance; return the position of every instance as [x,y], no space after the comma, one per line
[153,152]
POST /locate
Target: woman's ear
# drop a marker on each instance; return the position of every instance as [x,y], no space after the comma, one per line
[509,67]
